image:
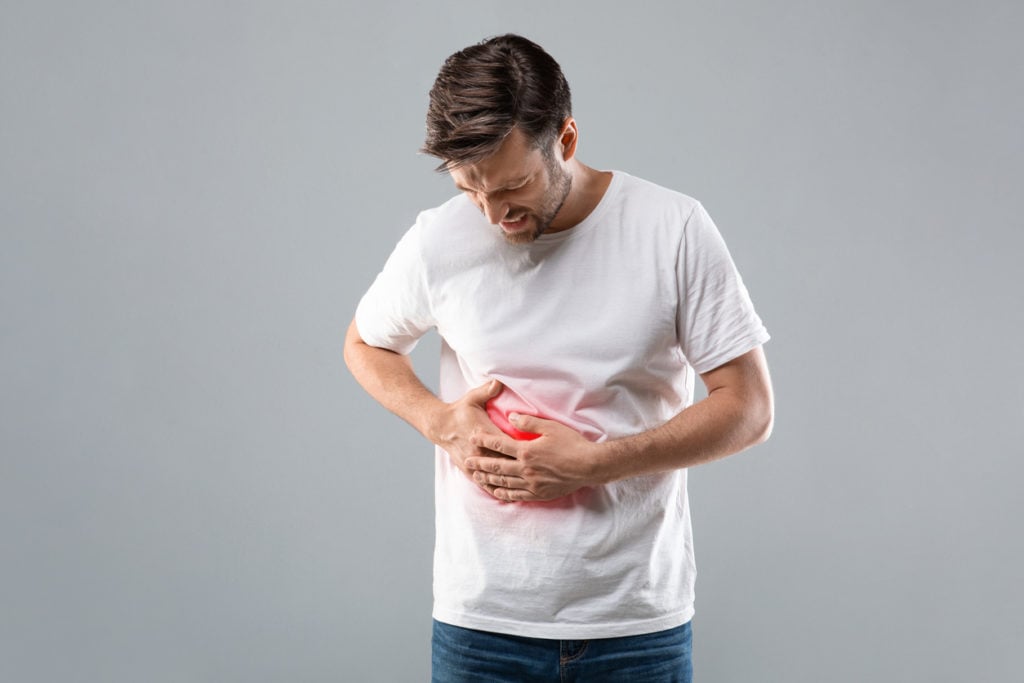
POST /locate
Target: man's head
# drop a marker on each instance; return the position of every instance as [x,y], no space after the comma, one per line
[485,91]
[498,112]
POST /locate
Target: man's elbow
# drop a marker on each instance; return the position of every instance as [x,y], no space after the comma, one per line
[354,344]
[762,420]
[349,354]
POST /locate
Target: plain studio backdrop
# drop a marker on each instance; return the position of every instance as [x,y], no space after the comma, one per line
[194,195]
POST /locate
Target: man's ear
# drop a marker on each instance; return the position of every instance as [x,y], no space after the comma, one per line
[568,138]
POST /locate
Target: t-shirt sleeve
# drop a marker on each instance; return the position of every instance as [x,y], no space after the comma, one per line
[395,311]
[717,321]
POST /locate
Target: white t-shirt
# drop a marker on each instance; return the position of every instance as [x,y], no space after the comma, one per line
[600,327]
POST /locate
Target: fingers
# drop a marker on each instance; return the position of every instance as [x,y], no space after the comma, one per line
[528,423]
[497,443]
[485,392]
[494,475]
[510,495]
[499,481]
[494,466]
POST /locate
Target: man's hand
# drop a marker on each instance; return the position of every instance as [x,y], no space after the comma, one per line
[556,464]
[457,424]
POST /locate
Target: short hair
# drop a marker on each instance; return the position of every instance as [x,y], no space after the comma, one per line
[485,91]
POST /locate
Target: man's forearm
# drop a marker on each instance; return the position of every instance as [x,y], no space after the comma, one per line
[737,414]
[390,379]
[711,429]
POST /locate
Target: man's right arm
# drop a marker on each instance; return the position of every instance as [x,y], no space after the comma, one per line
[390,379]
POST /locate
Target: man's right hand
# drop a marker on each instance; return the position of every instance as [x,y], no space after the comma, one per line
[457,422]
[389,377]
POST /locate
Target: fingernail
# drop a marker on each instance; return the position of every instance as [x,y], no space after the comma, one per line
[514,417]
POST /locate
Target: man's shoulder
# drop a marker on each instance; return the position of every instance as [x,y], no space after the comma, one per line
[648,196]
[453,214]
[452,234]
[641,186]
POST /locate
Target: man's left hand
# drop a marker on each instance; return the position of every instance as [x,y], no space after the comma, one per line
[556,464]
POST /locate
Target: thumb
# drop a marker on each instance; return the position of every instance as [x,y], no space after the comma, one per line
[485,392]
[527,423]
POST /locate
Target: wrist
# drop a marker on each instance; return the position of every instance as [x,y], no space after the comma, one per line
[434,420]
[616,459]
[606,462]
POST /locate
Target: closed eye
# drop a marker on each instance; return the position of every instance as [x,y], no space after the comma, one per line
[517,185]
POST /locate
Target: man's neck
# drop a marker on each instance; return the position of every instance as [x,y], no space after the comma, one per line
[588,187]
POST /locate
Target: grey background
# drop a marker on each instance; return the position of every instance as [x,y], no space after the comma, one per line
[194,195]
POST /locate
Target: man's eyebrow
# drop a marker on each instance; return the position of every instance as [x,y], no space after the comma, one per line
[511,184]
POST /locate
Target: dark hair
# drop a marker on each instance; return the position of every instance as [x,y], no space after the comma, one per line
[486,90]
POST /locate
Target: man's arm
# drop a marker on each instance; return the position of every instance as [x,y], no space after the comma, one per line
[390,379]
[737,413]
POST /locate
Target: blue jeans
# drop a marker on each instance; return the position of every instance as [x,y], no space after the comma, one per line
[462,655]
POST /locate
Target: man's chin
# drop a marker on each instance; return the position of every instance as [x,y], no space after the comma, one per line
[524,235]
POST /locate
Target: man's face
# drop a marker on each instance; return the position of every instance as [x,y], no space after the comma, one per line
[517,188]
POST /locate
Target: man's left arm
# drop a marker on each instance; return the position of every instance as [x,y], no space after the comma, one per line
[737,413]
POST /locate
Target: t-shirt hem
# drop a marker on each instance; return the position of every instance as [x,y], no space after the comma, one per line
[564,631]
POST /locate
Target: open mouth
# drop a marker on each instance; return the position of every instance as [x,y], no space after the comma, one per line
[517,224]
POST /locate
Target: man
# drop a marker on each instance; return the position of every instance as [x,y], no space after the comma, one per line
[576,305]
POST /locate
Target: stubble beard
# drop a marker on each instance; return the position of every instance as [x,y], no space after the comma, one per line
[554,198]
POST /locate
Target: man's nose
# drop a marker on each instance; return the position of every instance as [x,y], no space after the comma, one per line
[494,210]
